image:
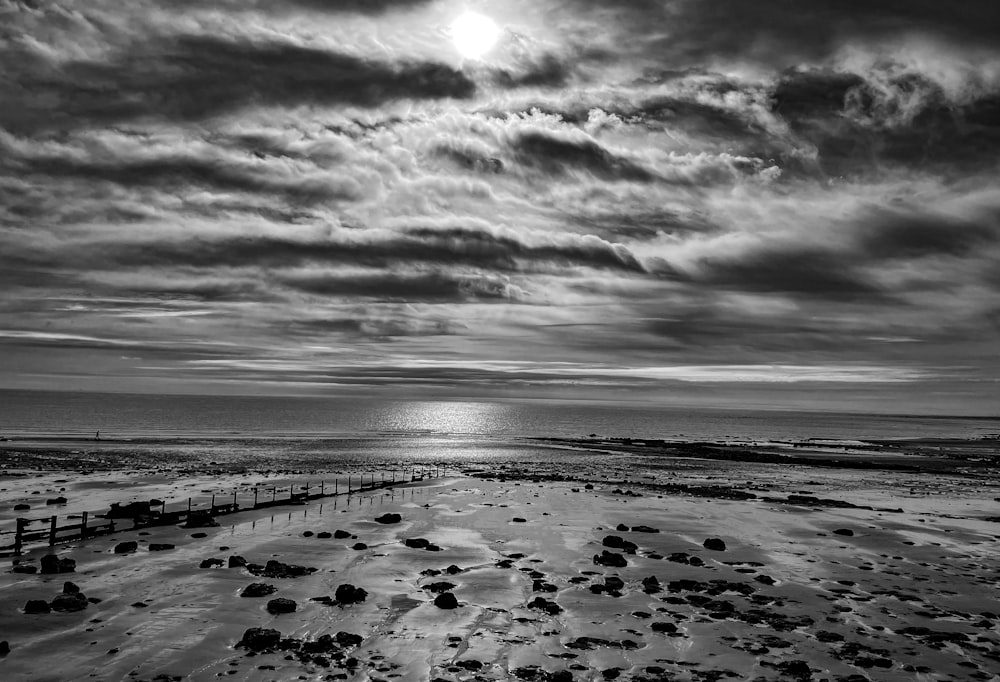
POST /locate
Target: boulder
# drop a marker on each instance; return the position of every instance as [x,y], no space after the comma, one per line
[359,546]
[69,602]
[259,639]
[22,507]
[662,626]
[211,563]
[37,606]
[308,534]
[126,547]
[24,568]
[258,590]
[616,542]
[446,600]
[844,531]
[53,564]
[341,534]
[56,500]
[129,511]
[651,585]
[518,519]
[542,604]
[621,528]
[70,588]
[324,535]
[281,605]
[236,561]
[645,529]
[277,569]
[453,570]
[4,648]
[607,558]
[160,546]
[416,543]
[349,594]
[439,587]
[388,518]
[714,544]
[200,519]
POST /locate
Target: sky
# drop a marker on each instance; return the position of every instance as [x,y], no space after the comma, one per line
[710,202]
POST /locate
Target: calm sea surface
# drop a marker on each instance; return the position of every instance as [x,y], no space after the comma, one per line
[38,413]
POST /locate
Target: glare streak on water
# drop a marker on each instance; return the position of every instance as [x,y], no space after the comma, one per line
[37,413]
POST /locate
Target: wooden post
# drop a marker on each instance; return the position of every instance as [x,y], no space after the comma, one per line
[52,530]
[383,478]
[255,497]
[307,490]
[18,541]
[348,484]
[336,486]
[234,500]
[163,507]
[189,506]
[83,526]
[213,505]
[274,493]
[322,488]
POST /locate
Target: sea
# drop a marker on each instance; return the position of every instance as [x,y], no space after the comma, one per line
[117,416]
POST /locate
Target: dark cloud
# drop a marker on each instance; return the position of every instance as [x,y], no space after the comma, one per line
[391,286]
[555,154]
[192,77]
[901,235]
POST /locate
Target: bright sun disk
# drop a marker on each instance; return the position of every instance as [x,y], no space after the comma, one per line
[474,34]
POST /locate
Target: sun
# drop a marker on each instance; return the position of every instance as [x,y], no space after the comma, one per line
[474,34]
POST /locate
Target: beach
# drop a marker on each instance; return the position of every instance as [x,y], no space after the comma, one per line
[605,560]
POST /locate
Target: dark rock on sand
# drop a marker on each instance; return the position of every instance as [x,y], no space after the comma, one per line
[341,534]
[211,563]
[359,546]
[324,535]
[56,500]
[453,570]
[307,534]
[542,586]
[764,579]
[542,604]
[607,558]
[129,511]
[37,606]
[24,568]
[200,519]
[388,518]
[258,590]
[645,529]
[616,542]
[69,602]
[844,531]
[70,588]
[277,569]
[160,546]
[651,585]
[621,528]
[139,605]
[663,626]
[259,639]
[199,535]
[4,648]
[416,543]
[22,507]
[53,564]
[518,519]
[439,587]
[349,594]
[714,544]
[281,605]
[126,547]
[237,561]
[446,600]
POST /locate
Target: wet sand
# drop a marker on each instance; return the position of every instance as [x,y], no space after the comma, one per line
[827,573]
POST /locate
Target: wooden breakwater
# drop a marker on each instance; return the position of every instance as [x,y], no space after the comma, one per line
[85,525]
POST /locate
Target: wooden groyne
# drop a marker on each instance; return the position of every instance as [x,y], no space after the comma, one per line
[90,524]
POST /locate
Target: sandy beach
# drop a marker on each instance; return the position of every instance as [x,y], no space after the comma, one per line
[631,568]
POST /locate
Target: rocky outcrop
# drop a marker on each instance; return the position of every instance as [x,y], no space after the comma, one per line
[281,605]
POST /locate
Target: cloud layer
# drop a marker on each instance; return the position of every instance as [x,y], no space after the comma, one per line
[619,200]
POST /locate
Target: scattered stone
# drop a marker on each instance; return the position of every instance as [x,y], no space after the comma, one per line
[53,564]
[211,563]
[388,518]
[663,626]
[277,569]
[764,579]
[37,606]
[446,600]
[281,605]
[542,604]
[349,594]
[69,602]
[258,590]
[416,543]
[439,587]
[22,507]
[259,639]
[56,500]
[126,547]
[359,546]
[237,561]
[616,542]
[24,568]
[714,544]
[70,588]
[611,559]
[140,605]
[518,519]
[651,585]
[844,531]
[341,534]
[324,535]
[621,528]
[645,529]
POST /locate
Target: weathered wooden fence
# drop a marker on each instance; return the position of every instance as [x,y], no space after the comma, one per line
[24,535]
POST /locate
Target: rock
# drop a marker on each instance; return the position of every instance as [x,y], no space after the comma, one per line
[844,531]
[446,600]
[53,564]
[359,546]
[621,528]
[662,626]
[307,534]
[37,606]
[160,546]
[211,563]
[70,588]
[155,502]
[416,543]
[714,544]
[439,587]
[4,648]
[126,547]
[237,561]
[616,542]
[349,594]
[22,507]
[607,558]
[341,534]
[139,605]
[57,500]
[199,535]
[388,518]
[24,568]
[281,605]
[200,519]
[324,535]
[798,669]
[542,604]
[129,511]
[518,519]
[277,569]
[69,602]
[453,570]
[258,590]
[645,529]
[259,639]
[651,585]
[764,579]
[589,486]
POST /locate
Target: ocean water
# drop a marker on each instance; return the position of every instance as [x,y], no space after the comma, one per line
[30,414]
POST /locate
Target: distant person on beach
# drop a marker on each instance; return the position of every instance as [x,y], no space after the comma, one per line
[97,436]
